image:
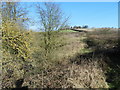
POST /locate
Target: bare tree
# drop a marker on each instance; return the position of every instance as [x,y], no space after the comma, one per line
[14,11]
[51,20]
[51,16]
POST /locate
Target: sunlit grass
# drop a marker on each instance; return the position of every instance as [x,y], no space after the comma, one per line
[67,31]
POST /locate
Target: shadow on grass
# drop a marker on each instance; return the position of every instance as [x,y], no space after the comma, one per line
[110,56]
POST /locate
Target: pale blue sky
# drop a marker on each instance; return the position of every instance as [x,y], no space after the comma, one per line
[93,14]
[67,0]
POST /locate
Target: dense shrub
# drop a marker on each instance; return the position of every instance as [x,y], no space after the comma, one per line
[16,52]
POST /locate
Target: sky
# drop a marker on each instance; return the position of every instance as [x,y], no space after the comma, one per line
[63,0]
[93,14]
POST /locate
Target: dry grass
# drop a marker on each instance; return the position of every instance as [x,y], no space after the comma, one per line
[85,75]
[89,73]
[66,74]
[102,39]
[73,44]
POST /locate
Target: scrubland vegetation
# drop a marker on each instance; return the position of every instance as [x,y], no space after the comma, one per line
[59,59]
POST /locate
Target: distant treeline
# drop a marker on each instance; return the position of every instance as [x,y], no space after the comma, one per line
[74,27]
[86,26]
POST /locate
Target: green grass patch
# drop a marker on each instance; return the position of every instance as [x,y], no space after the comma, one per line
[67,31]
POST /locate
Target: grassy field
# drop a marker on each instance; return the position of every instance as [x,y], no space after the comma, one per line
[81,60]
